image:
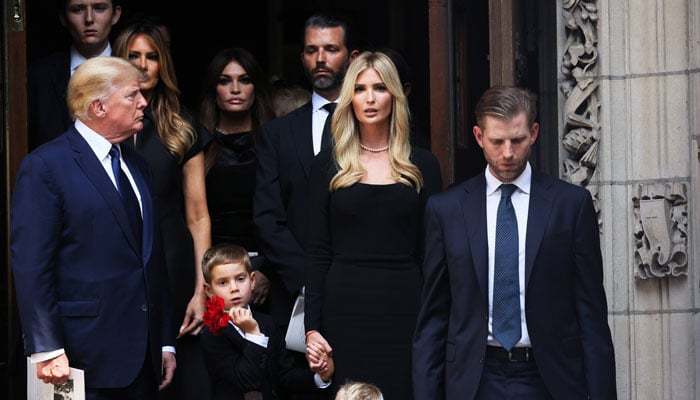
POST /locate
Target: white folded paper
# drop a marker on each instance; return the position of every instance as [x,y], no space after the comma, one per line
[296,334]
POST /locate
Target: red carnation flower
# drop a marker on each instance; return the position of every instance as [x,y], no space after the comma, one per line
[216,316]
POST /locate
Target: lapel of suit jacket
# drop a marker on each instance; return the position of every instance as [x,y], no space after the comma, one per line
[302,132]
[91,166]
[474,211]
[137,172]
[539,210]
[230,332]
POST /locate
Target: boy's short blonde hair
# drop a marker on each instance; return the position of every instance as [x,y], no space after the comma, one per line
[359,391]
[224,253]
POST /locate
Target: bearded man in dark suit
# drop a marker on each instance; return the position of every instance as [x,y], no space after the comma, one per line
[287,147]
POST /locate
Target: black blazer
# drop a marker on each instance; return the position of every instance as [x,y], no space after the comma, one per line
[47,111]
[237,366]
[280,209]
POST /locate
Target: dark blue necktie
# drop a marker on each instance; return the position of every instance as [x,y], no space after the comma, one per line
[131,203]
[506,290]
[327,135]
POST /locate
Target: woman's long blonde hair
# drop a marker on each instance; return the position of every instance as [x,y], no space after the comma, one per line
[176,132]
[346,130]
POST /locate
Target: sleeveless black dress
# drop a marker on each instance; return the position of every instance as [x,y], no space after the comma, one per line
[364,277]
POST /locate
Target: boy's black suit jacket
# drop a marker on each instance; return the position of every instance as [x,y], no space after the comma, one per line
[237,366]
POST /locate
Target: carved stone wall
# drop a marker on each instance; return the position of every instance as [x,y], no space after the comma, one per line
[661,231]
[629,95]
[580,88]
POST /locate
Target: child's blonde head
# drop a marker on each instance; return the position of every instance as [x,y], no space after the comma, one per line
[359,391]
[224,253]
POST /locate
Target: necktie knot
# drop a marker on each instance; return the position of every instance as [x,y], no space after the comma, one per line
[326,134]
[507,190]
[330,107]
[116,167]
[114,152]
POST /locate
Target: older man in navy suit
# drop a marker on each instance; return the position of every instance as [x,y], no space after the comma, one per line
[538,330]
[86,250]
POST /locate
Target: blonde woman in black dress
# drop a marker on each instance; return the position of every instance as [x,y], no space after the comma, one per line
[367,196]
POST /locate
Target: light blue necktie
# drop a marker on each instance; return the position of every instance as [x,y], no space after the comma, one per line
[506,290]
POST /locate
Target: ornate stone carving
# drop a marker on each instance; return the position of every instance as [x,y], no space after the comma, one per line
[580,69]
[661,230]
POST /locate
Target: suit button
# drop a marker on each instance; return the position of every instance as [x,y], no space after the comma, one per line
[481,360]
[144,307]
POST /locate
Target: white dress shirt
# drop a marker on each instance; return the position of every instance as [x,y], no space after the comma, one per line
[318,119]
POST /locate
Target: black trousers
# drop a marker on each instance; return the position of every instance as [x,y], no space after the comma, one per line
[511,380]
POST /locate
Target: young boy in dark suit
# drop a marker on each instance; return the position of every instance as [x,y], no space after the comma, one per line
[246,356]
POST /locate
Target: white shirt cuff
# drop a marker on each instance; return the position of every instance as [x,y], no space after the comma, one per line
[46,355]
[260,340]
[320,383]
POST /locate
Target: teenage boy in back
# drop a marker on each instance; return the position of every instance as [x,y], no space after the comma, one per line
[89,23]
[247,358]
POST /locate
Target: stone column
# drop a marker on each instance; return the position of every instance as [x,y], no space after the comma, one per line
[630,133]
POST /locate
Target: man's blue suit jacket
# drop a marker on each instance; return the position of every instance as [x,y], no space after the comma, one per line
[83,282]
[565,304]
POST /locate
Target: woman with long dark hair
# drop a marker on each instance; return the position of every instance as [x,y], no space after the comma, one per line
[236,100]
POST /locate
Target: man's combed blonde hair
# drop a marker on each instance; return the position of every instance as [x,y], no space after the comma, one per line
[97,79]
[346,133]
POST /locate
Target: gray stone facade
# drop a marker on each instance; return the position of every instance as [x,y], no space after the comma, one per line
[630,133]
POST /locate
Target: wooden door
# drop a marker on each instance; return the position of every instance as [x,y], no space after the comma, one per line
[477,44]
[13,147]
